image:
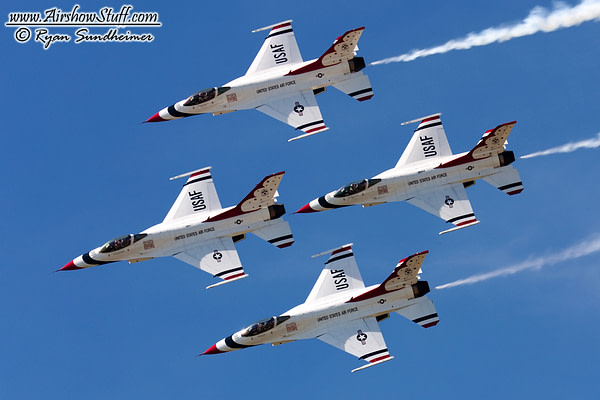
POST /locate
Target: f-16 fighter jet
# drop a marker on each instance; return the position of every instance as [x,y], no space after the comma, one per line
[198,231]
[344,313]
[281,85]
[430,177]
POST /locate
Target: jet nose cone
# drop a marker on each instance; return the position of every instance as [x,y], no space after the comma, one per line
[69,267]
[213,350]
[155,118]
[306,209]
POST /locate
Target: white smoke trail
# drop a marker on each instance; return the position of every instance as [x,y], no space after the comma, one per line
[582,249]
[568,148]
[539,19]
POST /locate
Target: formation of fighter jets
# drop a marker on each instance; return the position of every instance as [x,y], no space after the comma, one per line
[339,310]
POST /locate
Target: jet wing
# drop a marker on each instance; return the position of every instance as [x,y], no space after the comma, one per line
[198,195]
[428,142]
[280,48]
[339,275]
[217,257]
[300,111]
[450,203]
[361,338]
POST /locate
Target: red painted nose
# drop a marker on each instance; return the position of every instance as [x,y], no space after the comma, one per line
[305,209]
[212,350]
[155,118]
[69,267]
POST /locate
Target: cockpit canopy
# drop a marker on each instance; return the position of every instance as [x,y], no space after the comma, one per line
[121,242]
[356,187]
[205,95]
[264,325]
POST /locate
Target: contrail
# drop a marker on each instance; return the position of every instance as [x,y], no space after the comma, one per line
[582,249]
[568,148]
[539,19]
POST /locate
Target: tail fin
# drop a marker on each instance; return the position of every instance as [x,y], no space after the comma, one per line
[262,196]
[279,48]
[428,141]
[339,274]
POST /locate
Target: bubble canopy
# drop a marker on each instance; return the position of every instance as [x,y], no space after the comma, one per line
[121,242]
[264,325]
[356,187]
[205,95]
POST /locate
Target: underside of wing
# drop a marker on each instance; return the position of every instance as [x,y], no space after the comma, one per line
[198,196]
[450,203]
[339,274]
[300,111]
[361,338]
[279,48]
[218,257]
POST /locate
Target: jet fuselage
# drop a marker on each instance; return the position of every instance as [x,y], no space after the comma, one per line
[401,184]
[169,238]
[315,318]
[248,92]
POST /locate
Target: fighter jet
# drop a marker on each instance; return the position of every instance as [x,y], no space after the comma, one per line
[281,85]
[342,312]
[430,177]
[198,231]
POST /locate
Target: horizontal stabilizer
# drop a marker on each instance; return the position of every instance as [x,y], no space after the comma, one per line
[405,274]
[358,88]
[278,233]
[492,142]
[507,180]
[343,49]
[421,312]
[262,196]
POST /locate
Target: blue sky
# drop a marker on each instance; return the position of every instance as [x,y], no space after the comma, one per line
[78,168]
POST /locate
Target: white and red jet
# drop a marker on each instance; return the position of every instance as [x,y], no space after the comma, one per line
[281,85]
[430,177]
[344,313]
[198,231]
